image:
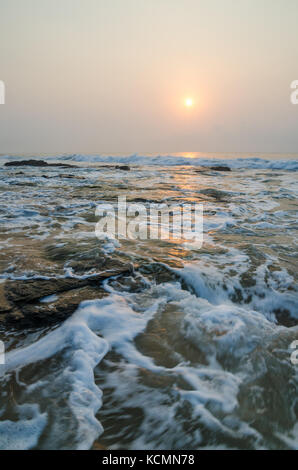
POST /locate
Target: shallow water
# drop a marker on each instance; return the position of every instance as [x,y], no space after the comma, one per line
[191,352]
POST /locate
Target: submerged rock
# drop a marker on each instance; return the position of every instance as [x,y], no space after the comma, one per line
[158,272]
[216,194]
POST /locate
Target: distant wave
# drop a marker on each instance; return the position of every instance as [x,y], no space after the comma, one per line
[237,163]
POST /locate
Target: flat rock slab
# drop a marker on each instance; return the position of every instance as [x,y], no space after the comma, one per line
[21,300]
[44,314]
[34,289]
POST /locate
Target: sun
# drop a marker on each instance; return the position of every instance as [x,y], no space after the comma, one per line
[188,102]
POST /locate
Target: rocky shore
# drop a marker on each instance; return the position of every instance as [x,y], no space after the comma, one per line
[40,302]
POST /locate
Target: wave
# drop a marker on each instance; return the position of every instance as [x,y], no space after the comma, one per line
[171,160]
[254,163]
[216,360]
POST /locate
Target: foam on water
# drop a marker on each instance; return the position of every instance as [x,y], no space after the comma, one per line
[264,292]
[222,334]
[82,350]
[24,433]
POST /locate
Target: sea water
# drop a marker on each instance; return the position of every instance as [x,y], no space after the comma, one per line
[193,351]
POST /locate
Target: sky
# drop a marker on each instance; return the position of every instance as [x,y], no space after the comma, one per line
[112,76]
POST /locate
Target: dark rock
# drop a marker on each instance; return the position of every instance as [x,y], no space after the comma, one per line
[247,279]
[72,176]
[27,163]
[216,194]
[284,317]
[158,272]
[38,163]
[31,290]
[220,168]
[20,300]
[99,263]
[43,314]
[5,306]
[122,167]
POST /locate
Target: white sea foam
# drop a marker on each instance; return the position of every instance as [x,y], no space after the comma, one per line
[221,332]
[24,433]
[82,348]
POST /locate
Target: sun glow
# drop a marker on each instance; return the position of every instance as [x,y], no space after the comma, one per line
[188,102]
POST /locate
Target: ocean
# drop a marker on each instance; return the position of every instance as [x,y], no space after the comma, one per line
[175,346]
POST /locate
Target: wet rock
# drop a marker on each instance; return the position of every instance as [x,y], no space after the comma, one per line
[122,167]
[27,163]
[31,290]
[64,175]
[38,163]
[205,169]
[216,194]
[133,284]
[99,263]
[21,304]
[247,279]
[5,306]
[220,168]
[44,314]
[98,446]
[284,317]
[14,315]
[158,272]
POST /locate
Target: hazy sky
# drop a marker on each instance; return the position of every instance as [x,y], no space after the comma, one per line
[105,76]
